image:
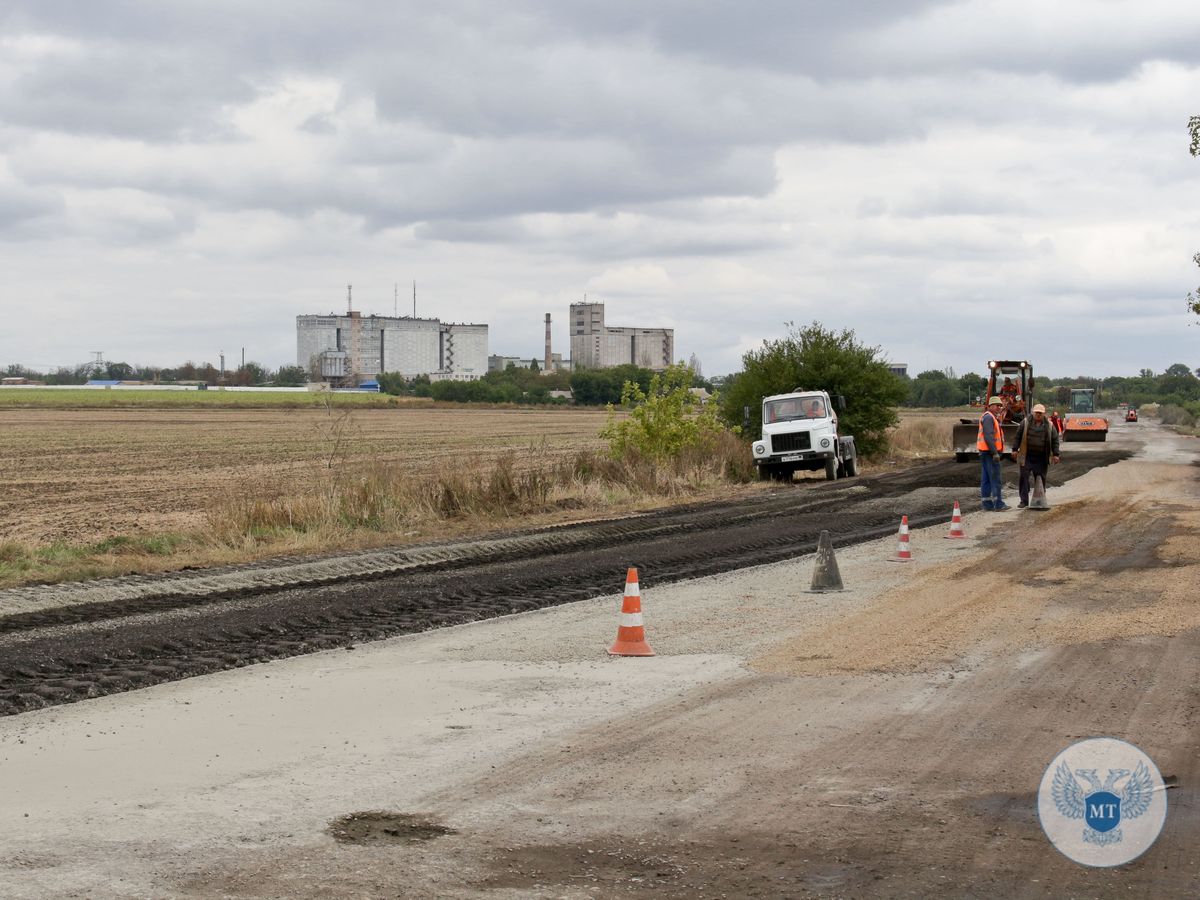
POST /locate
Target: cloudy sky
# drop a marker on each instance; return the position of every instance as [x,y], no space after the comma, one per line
[954,181]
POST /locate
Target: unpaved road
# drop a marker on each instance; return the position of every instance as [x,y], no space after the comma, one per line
[885,741]
[73,642]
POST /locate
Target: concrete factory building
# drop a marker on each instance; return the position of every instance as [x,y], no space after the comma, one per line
[351,348]
[597,346]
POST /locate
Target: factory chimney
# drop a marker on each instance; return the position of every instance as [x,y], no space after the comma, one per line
[549,358]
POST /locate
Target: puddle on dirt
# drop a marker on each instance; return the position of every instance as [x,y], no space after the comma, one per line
[385,828]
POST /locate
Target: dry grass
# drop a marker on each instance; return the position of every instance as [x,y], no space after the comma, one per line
[923,434]
[90,493]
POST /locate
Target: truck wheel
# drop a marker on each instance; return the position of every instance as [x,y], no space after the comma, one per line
[852,465]
[765,473]
[831,469]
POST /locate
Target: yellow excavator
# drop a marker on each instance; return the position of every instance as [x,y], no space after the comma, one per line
[1011,381]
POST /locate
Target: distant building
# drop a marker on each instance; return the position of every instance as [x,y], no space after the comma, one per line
[595,345]
[500,363]
[352,348]
[900,369]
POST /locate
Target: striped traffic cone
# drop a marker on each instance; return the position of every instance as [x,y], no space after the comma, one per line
[903,554]
[956,525]
[631,635]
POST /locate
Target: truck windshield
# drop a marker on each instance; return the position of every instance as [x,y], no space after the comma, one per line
[792,408]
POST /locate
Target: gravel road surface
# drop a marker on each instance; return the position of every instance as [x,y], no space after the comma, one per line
[883,741]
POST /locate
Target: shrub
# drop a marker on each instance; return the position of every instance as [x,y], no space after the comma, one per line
[664,421]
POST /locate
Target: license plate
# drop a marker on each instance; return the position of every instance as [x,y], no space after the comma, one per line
[791,457]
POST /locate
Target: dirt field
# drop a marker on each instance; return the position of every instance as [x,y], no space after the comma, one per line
[886,741]
[81,476]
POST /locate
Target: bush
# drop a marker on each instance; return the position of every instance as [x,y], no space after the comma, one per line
[1170,414]
[665,421]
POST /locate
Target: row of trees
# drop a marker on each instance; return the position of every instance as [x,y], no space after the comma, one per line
[593,387]
[590,387]
[1177,386]
[247,375]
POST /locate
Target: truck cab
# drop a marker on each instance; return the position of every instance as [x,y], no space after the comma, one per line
[800,432]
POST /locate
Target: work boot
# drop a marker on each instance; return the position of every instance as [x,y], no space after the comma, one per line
[1001,507]
[1023,504]
[988,506]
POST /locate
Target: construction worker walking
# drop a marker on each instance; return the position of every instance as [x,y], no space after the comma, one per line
[990,443]
[1037,444]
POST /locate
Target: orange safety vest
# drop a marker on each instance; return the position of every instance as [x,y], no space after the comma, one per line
[981,444]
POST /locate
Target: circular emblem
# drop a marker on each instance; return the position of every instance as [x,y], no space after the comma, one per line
[1102,802]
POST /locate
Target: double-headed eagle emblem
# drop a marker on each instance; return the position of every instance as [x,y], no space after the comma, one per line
[1102,806]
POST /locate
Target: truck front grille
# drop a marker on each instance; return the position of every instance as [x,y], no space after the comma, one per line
[790,443]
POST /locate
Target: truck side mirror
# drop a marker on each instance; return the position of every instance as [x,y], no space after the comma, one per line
[840,400]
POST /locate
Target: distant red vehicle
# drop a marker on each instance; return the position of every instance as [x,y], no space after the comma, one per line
[1131,415]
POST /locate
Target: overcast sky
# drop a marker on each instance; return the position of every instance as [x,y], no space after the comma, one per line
[952,181]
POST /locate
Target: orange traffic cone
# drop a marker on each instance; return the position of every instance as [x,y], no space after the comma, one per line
[631,635]
[956,525]
[903,554]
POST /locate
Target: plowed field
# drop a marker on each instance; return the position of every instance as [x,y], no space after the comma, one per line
[81,476]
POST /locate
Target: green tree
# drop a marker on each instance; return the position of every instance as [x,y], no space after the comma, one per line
[1177,385]
[664,420]
[972,385]
[602,386]
[291,376]
[935,389]
[816,358]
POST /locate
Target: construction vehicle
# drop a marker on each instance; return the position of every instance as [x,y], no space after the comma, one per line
[800,432]
[1012,382]
[1081,422]
[1131,415]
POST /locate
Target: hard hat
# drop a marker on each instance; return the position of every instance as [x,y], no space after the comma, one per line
[997,400]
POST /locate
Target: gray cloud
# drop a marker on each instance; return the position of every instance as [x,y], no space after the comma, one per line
[795,160]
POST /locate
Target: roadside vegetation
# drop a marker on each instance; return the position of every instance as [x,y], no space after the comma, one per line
[816,358]
[451,473]
[1177,386]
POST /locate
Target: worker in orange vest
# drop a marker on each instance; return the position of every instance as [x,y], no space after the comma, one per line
[990,444]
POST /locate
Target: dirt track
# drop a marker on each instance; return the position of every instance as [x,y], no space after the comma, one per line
[886,741]
[72,642]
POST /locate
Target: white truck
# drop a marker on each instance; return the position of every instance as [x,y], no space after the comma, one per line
[800,431]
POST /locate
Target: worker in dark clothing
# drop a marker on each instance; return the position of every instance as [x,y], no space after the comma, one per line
[990,443]
[1037,444]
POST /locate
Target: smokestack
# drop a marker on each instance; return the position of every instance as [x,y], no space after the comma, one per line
[549,358]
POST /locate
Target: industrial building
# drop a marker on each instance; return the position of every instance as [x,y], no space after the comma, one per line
[497,363]
[595,345]
[347,349]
